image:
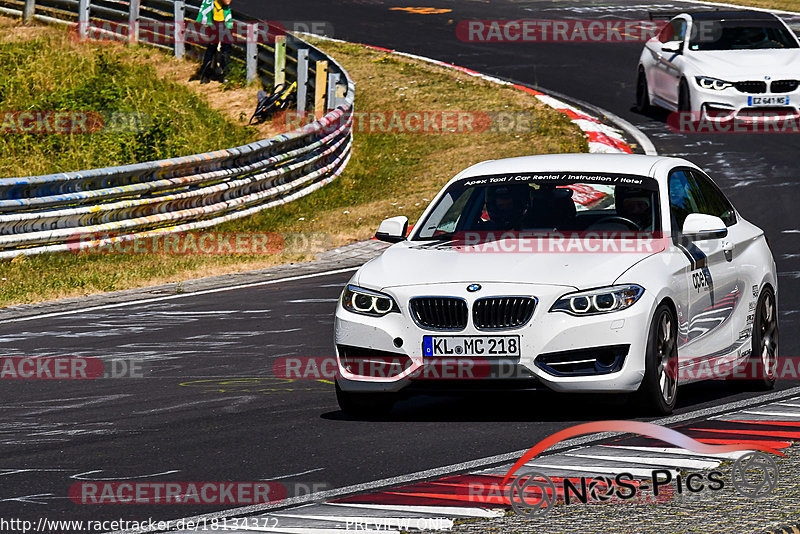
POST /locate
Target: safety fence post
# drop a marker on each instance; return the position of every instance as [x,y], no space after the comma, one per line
[133,22]
[252,52]
[180,41]
[83,18]
[280,60]
[302,79]
[320,88]
[28,11]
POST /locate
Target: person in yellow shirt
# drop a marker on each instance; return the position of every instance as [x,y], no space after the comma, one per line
[216,13]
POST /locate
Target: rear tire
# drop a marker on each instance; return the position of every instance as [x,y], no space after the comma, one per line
[364,404]
[659,389]
[642,93]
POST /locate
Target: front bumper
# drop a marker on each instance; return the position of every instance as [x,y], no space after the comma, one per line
[555,334]
[732,104]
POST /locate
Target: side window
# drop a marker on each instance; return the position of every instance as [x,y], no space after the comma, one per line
[674,31]
[691,192]
[682,198]
[713,200]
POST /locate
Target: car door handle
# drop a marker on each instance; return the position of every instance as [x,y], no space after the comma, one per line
[727,248]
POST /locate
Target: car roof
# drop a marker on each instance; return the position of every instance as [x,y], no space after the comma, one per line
[636,164]
[732,15]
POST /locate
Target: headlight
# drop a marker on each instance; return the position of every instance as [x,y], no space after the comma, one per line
[604,300]
[367,302]
[712,83]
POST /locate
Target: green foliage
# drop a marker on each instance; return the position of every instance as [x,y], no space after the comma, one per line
[152,118]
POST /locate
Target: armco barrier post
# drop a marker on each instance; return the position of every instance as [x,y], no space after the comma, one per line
[180,44]
[28,11]
[280,60]
[252,53]
[302,79]
[333,82]
[320,88]
[83,18]
[133,22]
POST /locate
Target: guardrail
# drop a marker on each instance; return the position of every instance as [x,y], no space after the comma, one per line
[54,213]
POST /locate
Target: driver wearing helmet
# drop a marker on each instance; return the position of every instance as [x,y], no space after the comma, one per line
[635,205]
[506,206]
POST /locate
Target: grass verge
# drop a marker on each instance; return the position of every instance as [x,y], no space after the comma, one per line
[389,174]
[146,116]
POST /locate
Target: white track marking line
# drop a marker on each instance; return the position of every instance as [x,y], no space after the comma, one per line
[652,460]
[183,405]
[432,510]
[774,414]
[635,471]
[728,409]
[295,474]
[178,296]
[740,6]
[669,450]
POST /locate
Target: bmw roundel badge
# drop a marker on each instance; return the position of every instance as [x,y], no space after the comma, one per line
[472,288]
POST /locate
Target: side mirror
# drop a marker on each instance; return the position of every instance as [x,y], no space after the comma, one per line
[393,229]
[699,226]
[672,47]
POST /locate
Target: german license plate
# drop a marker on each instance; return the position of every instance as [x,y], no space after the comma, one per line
[767,100]
[433,346]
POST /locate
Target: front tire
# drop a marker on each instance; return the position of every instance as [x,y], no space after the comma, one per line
[642,93]
[659,389]
[684,98]
[764,356]
[364,404]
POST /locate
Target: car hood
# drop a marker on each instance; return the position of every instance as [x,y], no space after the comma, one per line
[740,65]
[409,263]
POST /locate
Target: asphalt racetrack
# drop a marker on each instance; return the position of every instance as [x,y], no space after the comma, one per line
[208,407]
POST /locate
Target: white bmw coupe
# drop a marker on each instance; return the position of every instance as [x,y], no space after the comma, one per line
[723,65]
[574,273]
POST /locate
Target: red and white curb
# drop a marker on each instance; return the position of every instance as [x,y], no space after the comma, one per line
[437,504]
[601,138]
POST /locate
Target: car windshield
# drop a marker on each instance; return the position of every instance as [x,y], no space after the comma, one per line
[740,35]
[544,202]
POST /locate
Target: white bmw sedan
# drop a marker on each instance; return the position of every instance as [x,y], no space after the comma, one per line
[576,273]
[723,65]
